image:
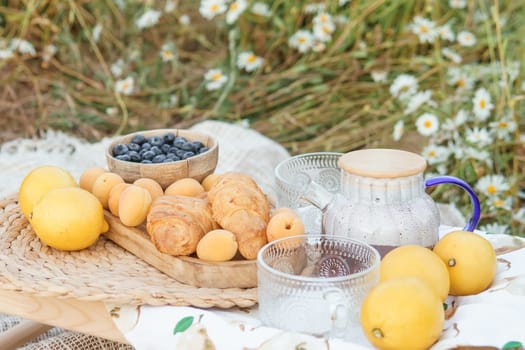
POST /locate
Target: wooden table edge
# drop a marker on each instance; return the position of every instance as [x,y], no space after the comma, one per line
[88,317]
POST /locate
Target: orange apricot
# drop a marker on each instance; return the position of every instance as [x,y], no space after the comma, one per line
[184,187]
[133,205]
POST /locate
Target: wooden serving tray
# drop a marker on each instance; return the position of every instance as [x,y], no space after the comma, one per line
[185,269]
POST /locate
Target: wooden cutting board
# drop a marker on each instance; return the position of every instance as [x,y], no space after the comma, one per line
[185,269]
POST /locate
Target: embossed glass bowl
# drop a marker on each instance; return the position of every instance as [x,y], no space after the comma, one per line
[315,284]
[293,174]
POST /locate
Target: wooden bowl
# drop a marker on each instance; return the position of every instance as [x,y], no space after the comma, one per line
[197,167]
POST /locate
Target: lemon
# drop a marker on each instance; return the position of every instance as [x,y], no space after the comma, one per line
[402,313]
[417,261]
[38,182]
[68,218]
[470,259]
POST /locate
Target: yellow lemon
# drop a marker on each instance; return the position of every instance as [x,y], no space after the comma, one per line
[68,218]
[470,259]
[416,261]
[38,182]
[402,313]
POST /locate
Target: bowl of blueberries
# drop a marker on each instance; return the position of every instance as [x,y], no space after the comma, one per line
[164,155]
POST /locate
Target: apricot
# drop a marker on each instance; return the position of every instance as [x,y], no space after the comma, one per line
[153,187]
[114,196]
[210,181]
[103,185]
[133,205]
[184,187]
[283,225]
[280,210]
[217,245]
[88,177]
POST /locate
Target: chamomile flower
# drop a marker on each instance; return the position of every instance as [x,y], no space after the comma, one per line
[427,124]
[167,52]
[249,61]
[456,149]
[343,2]
[235,9]
[504,127]
[399,129]
[48,52]
[435,154]
[125,86]
[148,19]
[466,39]
[170,6]
[322,18]
[419,99]
[215,79]
[302,40]
[261,9]
[495,228]
[323,31]
[460,79]
[446,33]
[379,76]
[482,104]
[425,29]
[314,8]
[404,86]
[211,8]
[478,154]
[500,203]
[97,30]
[519,215]
[451,55]
[453,124]
[457,4]
[185,20]
[22,46]
[6,54]
[478,136]
[492,185]
[117,68]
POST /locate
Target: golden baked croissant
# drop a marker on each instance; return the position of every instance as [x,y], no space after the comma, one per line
[239,205]
[176,223]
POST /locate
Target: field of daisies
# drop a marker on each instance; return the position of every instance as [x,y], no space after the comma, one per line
[441,77]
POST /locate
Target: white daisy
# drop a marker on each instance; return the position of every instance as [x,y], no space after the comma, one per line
[453,124]
[184,20]
[457,4]
[456,149]
[167,52]
[249,61]
[482,104]
[318,46]
[125,86]
[379,76]
[215,79]
[322,18]
[451,55]
[170,6]
[302,40]
[22,46]
[96,32]
[344,2]
[481,155]
[48,52]
[435,154]
[500,203]
[427,124]
[466,39]
[399,128]
[314,8]
[148,19]
[404,86]
[446,33]
[495,228]
[323,31]
[492,185]
[117,68]
[460,79]
[235,9]
[519,215]
[425,29]
[261,9]
[6,54]
[504,127]
[478,136]
[211,8]
[419,99]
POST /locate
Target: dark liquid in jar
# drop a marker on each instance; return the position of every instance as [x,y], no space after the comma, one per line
[384,249]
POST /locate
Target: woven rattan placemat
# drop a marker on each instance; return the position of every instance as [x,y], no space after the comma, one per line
[104,272]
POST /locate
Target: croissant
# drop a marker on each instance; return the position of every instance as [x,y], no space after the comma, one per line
[176,223]
[239,205]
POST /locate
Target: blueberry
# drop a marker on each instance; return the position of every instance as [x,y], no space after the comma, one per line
[134,156]
[181,139]
[156,141]
[148,155]
[145,145]
[165,148]
[168,160]
[203,149]
[179,153]
[120,149]
[133,147]
[173,149]
[187,146]
[155,150]
[169,137]
[187,155]
[124,157]
[158,158]
[139,139]
[178,143]
[172,156]
[146,161]
[197,145]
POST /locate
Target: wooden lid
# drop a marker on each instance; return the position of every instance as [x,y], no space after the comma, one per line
[382,163]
